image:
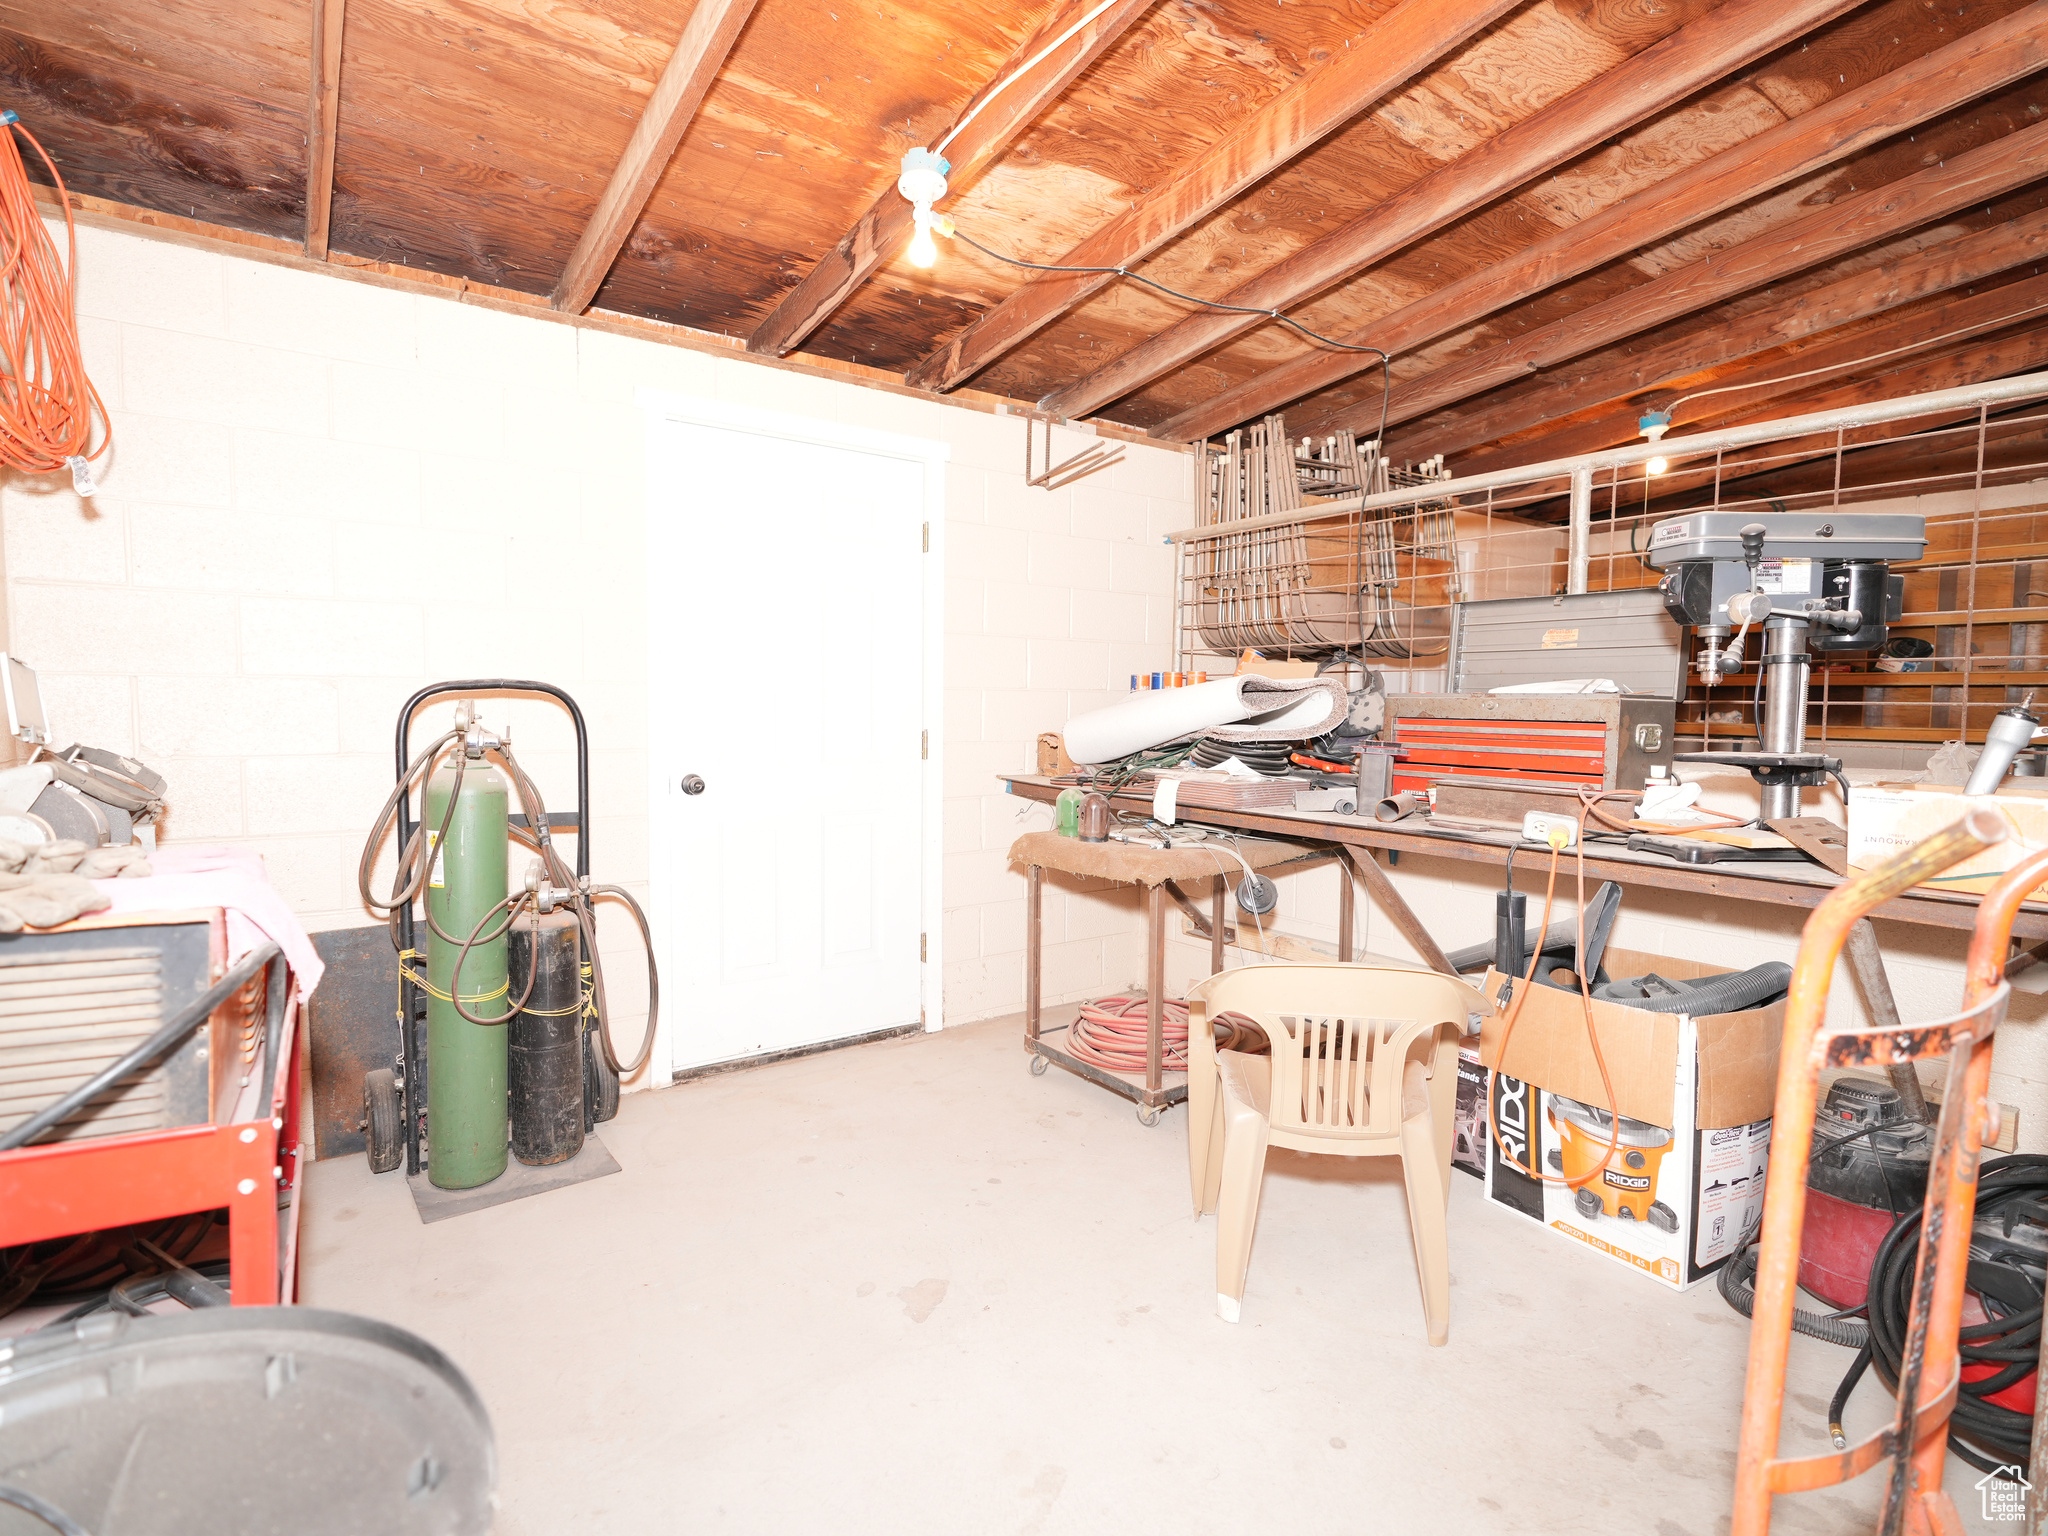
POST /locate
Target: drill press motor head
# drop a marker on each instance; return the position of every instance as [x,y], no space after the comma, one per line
[1819,579]
[1821,566]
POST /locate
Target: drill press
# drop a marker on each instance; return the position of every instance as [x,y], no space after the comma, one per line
[1817,581]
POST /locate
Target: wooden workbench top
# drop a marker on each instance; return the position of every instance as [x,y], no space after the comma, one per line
[1799,884]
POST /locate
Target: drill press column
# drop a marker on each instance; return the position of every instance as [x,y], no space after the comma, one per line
[1787,667]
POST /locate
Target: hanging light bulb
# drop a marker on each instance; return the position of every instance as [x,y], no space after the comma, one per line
[922,251]
[922,183]
[1654,467]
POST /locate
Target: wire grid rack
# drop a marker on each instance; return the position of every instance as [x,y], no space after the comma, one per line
[1317,575]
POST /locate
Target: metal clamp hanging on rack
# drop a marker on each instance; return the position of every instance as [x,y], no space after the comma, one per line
[1056,476]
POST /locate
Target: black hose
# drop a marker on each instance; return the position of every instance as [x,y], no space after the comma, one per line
[582,903]
[49,1514]
[514,902]
[406,888]
[1985,1434]
[189,1018]
[1839,1403]
[1737,1284]
[611,1054]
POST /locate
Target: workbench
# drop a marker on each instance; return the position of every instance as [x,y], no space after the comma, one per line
[1359,838]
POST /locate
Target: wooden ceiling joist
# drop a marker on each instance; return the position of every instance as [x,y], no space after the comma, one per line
[991,127]
[1724,40]
[714,26]
[1921,446]
[1945,323]
[1827,234]
[1995,55]
[1905,280]
[323,121]
[1403,45]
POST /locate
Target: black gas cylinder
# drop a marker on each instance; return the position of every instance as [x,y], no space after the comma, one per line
[545,1041]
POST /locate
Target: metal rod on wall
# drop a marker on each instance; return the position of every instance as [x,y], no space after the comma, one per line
[2019,387]
[1579,548]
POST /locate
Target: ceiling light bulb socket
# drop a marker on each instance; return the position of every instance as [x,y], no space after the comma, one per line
[923,179]
[1654,424]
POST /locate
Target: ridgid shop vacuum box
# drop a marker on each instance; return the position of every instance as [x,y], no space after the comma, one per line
[1694,1094]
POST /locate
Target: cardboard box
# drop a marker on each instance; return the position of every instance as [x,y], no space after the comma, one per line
[1695,1100]
[1468,1138]
[1885,819]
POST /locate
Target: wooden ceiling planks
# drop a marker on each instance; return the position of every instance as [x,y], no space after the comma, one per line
[714,26]
[159,140]
[1598,257]
[1611,102]
[1071,39]
[1350,81]
[803,131]
[476,143]
[475,138]
[1543,421]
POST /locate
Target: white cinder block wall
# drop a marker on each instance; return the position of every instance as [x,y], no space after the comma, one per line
[324,494]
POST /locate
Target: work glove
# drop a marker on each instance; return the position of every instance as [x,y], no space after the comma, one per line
[44,901]
[125,861]
[58,858]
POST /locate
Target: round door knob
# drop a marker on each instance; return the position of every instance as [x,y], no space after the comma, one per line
[692,785]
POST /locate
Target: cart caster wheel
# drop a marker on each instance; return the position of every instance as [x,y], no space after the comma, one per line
[1587,1203]
[1663,1218]
[1038,1066]
[382,1139]
[1556,1160]
[1148,1117]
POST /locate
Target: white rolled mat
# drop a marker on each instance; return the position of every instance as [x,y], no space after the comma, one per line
[1246,708]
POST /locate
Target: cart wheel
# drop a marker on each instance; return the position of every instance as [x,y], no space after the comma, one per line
[1038,1065]
[1663,1218]
[600,1082]
[382,1140]
[1587,1203]
[1556,1160]
[1148,1116]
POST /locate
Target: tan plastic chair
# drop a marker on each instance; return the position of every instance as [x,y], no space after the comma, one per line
[1364,1063]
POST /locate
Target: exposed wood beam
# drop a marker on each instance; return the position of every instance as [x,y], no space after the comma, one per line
[1934,325]
[1924,454]
[1995,55]
[879,231]
[246,245]
[1725,39]
[714,26]
[1938,269]
[323,119]
[1825,235]
[1403,45]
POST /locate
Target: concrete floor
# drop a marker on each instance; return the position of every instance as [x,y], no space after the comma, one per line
[907,1288]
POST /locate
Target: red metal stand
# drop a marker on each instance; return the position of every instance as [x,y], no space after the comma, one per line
[69,1187]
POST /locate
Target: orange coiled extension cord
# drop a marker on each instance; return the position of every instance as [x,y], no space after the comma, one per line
[47,404]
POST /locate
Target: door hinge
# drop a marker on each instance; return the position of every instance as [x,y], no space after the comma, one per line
[927,538]
[924,744]
[921,948]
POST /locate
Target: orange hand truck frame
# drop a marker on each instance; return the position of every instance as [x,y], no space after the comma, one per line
[1915,1443]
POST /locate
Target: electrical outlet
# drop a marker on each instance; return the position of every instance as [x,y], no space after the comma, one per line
[1537,827]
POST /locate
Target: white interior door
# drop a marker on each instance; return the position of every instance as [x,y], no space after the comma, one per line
[788,671]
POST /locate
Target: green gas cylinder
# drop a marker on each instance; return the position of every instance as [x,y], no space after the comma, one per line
[465,1061]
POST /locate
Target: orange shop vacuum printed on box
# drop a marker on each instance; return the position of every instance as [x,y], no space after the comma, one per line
[1685,1178]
